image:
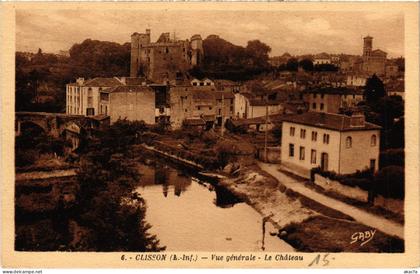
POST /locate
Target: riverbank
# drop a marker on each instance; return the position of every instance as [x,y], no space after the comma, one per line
[304,223]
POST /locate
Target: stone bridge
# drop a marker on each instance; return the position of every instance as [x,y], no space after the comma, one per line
[54,123]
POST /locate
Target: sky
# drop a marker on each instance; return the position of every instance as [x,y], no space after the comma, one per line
[303,32]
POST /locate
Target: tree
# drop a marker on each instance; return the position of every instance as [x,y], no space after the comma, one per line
[258,52]
[292,64]
[108,208]
[306,64]
[374,89]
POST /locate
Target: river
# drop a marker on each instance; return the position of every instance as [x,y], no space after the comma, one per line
[191,215]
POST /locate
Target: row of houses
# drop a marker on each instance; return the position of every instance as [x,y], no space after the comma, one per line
[138,99]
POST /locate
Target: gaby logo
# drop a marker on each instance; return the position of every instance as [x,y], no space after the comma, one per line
[363,237]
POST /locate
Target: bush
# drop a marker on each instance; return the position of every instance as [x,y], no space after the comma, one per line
[26,157]
[391,157]
[389,182]
[362,179]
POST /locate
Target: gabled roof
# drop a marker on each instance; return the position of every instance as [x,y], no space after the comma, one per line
[128,89]
[322,55]
[102,82]
[329,121]
[378,52]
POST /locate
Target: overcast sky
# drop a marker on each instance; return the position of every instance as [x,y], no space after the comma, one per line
[293,32]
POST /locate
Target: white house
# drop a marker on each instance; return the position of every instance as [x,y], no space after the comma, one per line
[333,142]
[247,106]
[322,58]
[82,97]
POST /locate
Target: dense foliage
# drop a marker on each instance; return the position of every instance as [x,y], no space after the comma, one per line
[107,206]
[224,60]
[41,78]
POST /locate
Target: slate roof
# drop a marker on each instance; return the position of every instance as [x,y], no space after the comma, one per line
[329,121]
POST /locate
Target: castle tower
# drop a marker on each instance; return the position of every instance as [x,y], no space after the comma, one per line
[197,53]
[138,40]
[367,46]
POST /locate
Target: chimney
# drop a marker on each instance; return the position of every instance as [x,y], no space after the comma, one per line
[357,119]
[80,81]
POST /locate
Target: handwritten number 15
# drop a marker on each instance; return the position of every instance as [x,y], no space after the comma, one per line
[318,258]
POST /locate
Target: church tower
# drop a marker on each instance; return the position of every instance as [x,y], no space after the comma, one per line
[367,47]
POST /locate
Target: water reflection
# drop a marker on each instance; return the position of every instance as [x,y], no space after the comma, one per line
[199,216]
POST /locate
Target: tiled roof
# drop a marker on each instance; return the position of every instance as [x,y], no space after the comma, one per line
[335,90]
[227,94]
[329,121]
[194,122]
[258,102]
[128,89]
[203,94]
[102,82]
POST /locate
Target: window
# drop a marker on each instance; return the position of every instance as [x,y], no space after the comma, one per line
[314,95]
[291,150]
[292,131]
[104,96]
[314,135]
[90,111]
[198,108]
[373,140]
[348,142]
[303,133]
[313,105]
[106,110]
[326,139]
[322,96]
[313,156]
[301,153]
[321,107]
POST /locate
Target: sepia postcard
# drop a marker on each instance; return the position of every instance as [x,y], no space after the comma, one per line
[210,135]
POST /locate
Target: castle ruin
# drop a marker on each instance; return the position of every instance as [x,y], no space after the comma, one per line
[166,59]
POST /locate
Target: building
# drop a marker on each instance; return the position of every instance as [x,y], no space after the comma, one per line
[82,97]
[391,69]
[134,103]
[322,58]
[247,105]
[188,103]
[332,100]
[373,60]
[356,80]
[339,143]
[166,59]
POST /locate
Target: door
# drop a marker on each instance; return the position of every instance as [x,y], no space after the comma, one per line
[324,161]
[372,164]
